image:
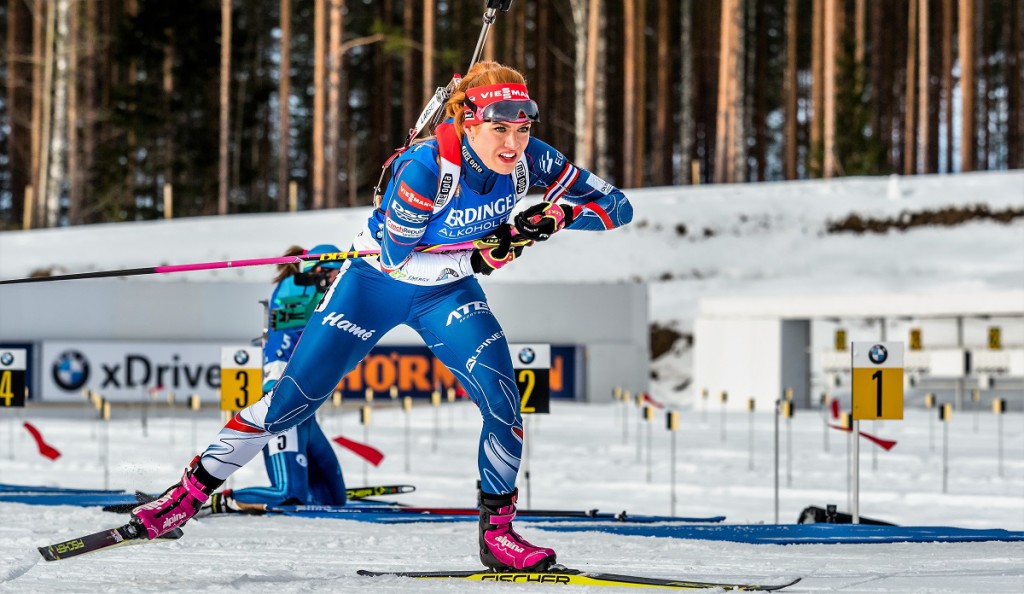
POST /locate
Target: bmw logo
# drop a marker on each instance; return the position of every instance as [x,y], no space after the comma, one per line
[6,359]
[71,370]
[241,357]
[526,355]
[878,354]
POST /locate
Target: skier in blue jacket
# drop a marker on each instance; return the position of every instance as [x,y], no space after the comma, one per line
[460,185]
[301,464]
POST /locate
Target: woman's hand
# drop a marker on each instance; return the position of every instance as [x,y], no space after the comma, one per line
[541,221]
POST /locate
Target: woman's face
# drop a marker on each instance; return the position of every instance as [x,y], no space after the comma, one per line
[499,144]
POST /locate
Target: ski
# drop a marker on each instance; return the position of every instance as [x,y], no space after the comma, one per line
[377,491]
[575,577]
[127,534]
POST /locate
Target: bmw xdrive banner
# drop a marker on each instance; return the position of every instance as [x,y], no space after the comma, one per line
[124,371]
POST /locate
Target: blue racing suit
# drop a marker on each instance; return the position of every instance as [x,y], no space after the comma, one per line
[301,463]
[436,294]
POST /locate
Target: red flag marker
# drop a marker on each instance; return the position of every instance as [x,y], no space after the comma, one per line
[366,452]
[648,399]
[835,409]
[45,449]
[885,444]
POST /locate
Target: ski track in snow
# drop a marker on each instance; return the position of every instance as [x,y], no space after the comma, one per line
[583,442]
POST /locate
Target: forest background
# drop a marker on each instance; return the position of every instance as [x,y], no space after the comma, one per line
[122,110]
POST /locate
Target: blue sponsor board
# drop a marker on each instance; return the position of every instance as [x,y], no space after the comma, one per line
[417,373]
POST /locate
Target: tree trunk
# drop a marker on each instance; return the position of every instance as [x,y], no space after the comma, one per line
[629,157]
[593,36]
[58,136]
[18,152]
[602,153]
[640,106]
[832,33]
[759,105]
[581,153]
[88,115]
[967,90]
[73,174]
[284,94]
[686,97]
[729,126]
[947,85]
[661,140]
[984,102]
[225,106]
[790,93]
[860,23]
[923,115]
[1015,83]
[334,75]
[817,106]
[319,66]
[45,146]
[909,136]
[429,84]
[39,20]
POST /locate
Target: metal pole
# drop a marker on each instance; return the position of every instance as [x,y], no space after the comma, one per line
[639,424]
[855,470]
[789,452]
[750,462]
[625,418]
[931,431]
[945,456]
[672,473]
[437,427]
[408,463]
[650,448]
[723,421]
[777,461]
[366,439]
[526,459]
[849,471]
[874,451]
[999,431]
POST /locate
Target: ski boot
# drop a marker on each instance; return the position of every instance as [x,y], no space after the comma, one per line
[501,548]
[178,503]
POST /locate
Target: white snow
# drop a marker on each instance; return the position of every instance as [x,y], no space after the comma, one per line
[763,239]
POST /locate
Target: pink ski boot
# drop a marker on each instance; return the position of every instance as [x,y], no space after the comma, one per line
[501,548]
[178,503]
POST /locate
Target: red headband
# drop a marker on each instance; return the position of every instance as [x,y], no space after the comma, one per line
[481,97]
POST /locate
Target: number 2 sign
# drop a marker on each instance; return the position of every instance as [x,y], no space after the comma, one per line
[877,381]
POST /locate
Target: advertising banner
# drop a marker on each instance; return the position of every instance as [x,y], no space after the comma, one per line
[126,371]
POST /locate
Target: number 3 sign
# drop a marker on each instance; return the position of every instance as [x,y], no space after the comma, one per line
[877,381]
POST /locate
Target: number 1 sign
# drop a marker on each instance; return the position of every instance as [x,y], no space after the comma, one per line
[877,381]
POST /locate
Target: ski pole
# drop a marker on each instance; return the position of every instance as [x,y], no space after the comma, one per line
[169,269]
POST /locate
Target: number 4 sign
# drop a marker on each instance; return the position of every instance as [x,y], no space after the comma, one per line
[877,381]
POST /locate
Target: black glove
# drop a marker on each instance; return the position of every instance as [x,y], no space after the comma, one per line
[543,220]
[497,250]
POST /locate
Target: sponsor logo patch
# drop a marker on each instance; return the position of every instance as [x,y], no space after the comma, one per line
[460,217]
[401,230]
[598,184]
[412,198]
[468,310]
[409,216]
[337,320]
